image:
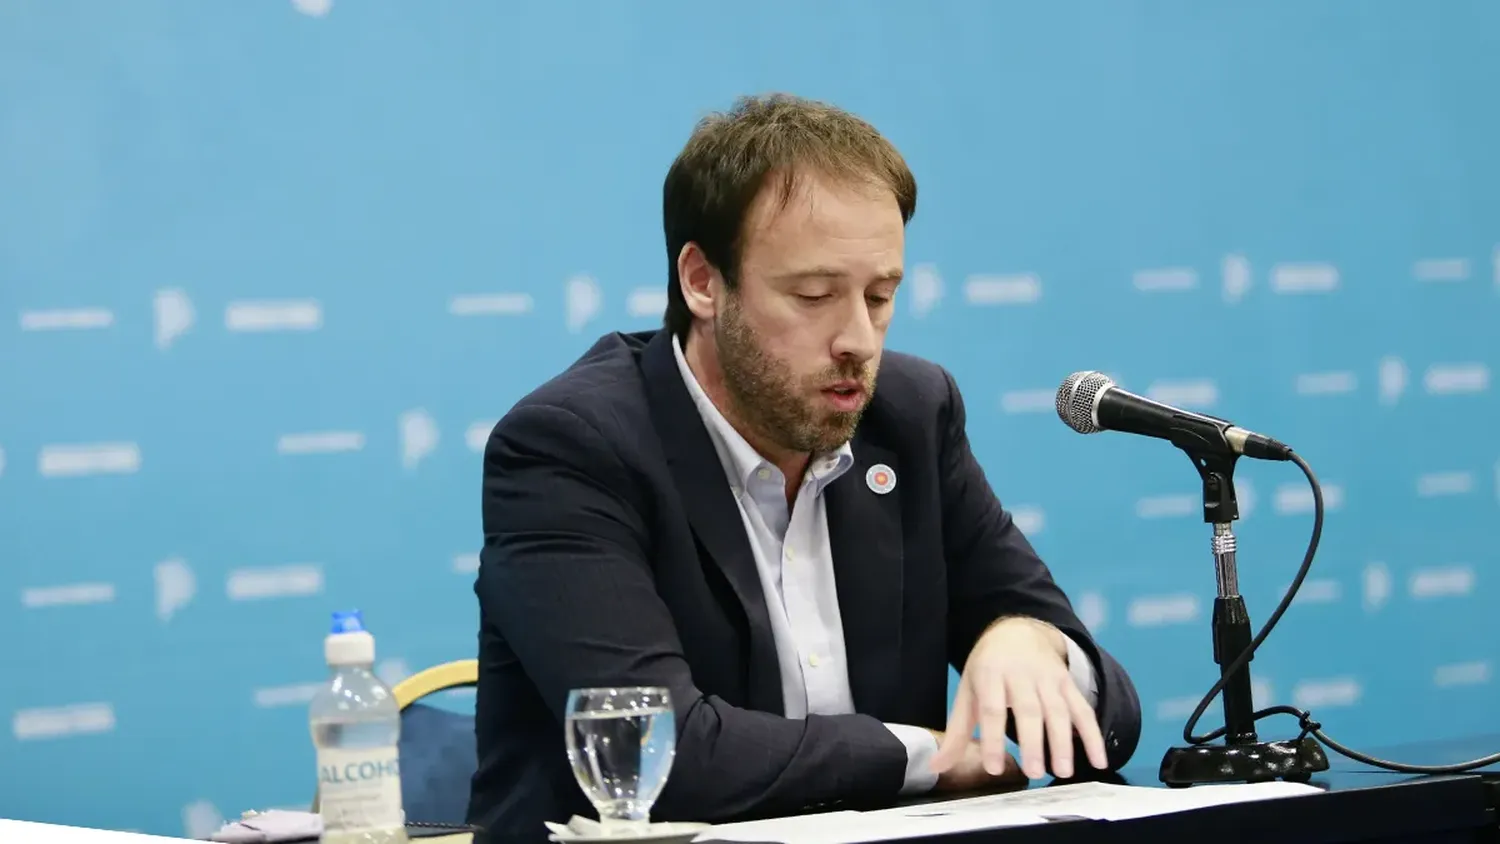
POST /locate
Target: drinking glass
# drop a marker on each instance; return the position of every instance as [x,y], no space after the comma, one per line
[621,743]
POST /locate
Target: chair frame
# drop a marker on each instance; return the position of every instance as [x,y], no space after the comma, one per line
[449,675]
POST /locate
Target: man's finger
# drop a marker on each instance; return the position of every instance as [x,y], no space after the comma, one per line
[1028,714]
[1086,724]
[992,702]
[960,727]
[1059,722]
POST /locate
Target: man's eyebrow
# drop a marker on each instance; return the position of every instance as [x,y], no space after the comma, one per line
[831,272]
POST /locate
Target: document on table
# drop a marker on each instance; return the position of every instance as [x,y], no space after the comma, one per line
[31,832]
[1107,802]
[864,827]
[1091,801]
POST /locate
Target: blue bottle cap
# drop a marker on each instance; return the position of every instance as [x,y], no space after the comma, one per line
[347,622]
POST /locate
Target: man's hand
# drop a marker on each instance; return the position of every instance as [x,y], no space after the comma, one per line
[969,774]
[1019,665]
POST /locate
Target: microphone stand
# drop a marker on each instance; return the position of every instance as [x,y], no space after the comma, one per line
[1242,757]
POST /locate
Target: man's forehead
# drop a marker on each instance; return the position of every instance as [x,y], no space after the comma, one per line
[796,196]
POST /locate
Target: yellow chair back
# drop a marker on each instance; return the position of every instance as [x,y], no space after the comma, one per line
[450,675]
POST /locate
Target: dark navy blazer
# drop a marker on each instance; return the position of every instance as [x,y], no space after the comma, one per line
[614,554]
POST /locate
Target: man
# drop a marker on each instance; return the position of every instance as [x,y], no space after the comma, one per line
[730,509]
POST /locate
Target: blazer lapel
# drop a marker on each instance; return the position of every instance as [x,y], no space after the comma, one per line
[865,531]
[712,511]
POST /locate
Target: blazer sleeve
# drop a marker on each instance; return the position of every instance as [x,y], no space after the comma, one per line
[994,572]
[565,579]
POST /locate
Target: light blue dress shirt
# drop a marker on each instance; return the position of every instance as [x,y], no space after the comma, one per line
[795,563]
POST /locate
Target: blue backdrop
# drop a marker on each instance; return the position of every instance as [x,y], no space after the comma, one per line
[271,270]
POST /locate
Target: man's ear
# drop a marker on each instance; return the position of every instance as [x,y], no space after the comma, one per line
[701,282]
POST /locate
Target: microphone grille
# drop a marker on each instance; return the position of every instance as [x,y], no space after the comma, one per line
[1076,400]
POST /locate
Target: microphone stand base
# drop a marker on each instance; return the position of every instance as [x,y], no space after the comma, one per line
[1293,760]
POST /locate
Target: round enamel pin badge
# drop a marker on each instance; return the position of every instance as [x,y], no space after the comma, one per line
[880,479]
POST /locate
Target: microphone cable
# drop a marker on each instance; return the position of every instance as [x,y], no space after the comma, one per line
[1305,719]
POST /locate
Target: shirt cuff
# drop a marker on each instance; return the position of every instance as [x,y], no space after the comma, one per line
[1082,671]
[921,746]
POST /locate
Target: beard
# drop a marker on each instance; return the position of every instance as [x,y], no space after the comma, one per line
[768,396]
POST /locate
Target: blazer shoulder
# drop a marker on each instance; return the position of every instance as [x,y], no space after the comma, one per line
[914,388]
[604,388]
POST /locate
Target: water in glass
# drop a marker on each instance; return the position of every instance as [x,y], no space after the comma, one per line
[621,743]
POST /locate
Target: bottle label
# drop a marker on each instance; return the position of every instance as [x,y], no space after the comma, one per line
[360,789]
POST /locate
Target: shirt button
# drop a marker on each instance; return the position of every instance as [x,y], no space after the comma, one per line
[790,555]
[812,660]
[764,474]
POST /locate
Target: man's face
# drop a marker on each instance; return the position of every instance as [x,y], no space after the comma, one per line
[799,340]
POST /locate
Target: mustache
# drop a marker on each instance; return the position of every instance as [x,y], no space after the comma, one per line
[852,372]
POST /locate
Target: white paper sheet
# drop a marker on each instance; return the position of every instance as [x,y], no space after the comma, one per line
[792,830]
[864,827]
[46,833]
[1103,801]
[1094,801]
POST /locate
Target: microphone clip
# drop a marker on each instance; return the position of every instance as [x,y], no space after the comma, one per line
[1216,468]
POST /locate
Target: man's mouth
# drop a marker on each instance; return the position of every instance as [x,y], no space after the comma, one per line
[846,388]
[845,396]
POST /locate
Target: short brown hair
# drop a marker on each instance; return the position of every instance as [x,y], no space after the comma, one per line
[731,156]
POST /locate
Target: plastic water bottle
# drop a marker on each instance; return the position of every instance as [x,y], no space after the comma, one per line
[356,726]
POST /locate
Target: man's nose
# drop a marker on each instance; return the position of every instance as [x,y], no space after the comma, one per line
[858,338]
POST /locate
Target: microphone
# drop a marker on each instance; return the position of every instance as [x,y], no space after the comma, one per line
[1089,402]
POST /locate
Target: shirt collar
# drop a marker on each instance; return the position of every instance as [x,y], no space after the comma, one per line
[740,458]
